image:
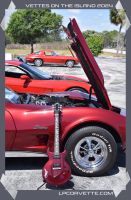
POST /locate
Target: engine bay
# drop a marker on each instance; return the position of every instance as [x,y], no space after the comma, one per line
[47,100]
[66,99]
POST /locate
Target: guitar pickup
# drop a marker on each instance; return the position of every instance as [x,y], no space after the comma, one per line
[56,168]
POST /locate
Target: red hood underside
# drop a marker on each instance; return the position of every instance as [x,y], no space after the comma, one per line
[88,63]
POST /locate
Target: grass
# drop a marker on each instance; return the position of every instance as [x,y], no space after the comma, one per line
[17,51]
[23,52]
[109,54]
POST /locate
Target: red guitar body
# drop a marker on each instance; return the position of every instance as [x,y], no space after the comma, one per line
[56,171]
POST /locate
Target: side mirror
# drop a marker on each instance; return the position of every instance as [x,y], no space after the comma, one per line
[25,77]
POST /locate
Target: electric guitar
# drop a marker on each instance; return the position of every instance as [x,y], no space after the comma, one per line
[56,171]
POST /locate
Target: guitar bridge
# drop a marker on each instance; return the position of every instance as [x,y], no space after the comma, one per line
[56,166]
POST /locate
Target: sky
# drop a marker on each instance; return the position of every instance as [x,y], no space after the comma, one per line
[88,19]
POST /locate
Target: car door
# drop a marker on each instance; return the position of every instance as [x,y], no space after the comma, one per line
[51,57]
[14,81]
[10,130]
[34,126]
[38,87]
[12,78]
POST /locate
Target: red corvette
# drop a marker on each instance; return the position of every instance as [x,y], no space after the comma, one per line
[91,127]
[24,78]
[49,56]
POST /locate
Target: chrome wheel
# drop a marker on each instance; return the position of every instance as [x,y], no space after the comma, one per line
[38,62]
[70,63]
[90,152]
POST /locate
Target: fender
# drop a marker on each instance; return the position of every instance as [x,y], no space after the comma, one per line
[105,117]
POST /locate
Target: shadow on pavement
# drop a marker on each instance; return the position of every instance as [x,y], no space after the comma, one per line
[61,66]
[24,163]
[38,163]
[68,185]
[121,162]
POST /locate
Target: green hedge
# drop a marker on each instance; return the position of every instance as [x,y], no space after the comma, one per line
[95,43]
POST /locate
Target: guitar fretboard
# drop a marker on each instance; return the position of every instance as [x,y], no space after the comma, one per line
[56,139]
[57,108]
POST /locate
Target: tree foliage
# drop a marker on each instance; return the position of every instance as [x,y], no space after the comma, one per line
[7,39]
[95,41]
[26,26]
[118,17]
[108,38]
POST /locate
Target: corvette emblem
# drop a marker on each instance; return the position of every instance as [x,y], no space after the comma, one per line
[40,127]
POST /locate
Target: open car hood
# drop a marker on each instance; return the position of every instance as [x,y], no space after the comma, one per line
[88,62]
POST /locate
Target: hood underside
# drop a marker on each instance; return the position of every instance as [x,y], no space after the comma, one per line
[88,62]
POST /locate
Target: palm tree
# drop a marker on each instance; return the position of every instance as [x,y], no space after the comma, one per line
[118,17]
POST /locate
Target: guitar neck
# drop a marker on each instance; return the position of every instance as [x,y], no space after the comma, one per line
[57,135]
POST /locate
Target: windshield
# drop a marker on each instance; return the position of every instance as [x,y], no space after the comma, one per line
[36,52]
[36,71]
[54,53]
[11,96]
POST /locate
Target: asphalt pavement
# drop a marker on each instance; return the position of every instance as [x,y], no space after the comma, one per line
[113,69]
[26,174]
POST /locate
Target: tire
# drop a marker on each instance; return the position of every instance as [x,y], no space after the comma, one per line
[70,63]
[78,89]
[38,62]
[94,162]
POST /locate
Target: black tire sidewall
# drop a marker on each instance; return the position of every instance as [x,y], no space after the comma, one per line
[100,133]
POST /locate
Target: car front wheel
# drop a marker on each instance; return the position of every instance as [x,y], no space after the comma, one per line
[91,151]
[70,63]
[38,62]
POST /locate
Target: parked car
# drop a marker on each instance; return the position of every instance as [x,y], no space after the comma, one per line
[50,56]
[25,78]
[91,127]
